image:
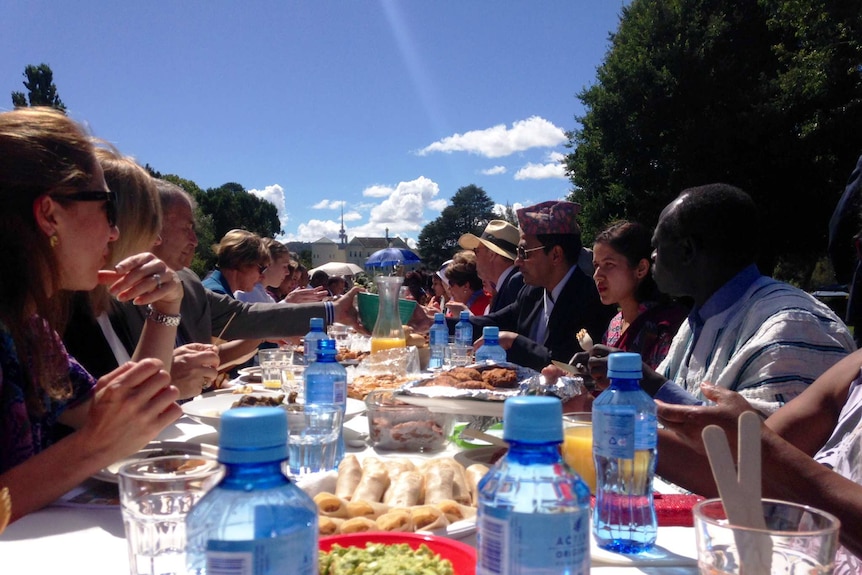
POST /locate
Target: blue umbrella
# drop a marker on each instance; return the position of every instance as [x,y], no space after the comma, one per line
[391,257]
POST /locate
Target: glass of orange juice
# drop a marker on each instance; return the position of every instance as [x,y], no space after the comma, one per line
[578,446]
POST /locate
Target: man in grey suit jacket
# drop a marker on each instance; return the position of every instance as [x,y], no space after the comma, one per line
[204,313]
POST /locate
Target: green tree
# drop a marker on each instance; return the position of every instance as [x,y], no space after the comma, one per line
[508,214]
[756,94]
[41,90]
[469,212]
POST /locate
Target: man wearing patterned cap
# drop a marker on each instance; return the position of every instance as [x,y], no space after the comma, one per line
[560,297]
[495,261]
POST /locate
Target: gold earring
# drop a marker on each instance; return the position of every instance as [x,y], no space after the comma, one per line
[54,240]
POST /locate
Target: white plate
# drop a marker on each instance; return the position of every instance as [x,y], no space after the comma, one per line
[255,370]
[208,410]
[157,449]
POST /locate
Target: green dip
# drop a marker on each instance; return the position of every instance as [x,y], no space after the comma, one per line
[382,559]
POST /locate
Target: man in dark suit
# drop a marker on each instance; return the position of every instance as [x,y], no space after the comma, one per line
[559,298]
[495,261]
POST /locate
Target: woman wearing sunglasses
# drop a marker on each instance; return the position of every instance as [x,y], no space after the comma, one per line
[55,228]
[242,260]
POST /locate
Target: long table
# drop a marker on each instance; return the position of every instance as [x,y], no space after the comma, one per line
[91,541]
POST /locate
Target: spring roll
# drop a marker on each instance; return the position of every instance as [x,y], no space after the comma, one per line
[373,483]
[454,511]
[330,505]
[408,490]
[395,467]
[349,474]
[358,525]
[395,520]
[370,509]
[439,483]
[474,474]
[460,487]
[328,525]
[428,518]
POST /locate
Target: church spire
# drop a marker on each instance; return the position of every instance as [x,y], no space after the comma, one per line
[342,233]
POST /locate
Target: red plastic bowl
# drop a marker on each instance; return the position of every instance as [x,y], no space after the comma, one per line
[462,556]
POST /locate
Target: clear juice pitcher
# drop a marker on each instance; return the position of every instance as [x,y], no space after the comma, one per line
[388,332]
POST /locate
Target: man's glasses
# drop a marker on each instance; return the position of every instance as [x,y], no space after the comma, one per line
[262,268]
[110,199]
[522,252]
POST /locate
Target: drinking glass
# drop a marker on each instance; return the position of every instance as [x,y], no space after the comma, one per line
[458,355]
[155,495]
[273,363]
[312,438]
[797,540]
[578,446]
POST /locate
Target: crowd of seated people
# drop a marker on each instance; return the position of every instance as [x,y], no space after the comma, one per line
[94,244]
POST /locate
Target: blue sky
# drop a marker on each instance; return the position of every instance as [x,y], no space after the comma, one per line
[385,108]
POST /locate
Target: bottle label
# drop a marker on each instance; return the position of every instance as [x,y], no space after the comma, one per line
[439,336]
[294,554]
[614,431]
[534,543]
[325,388]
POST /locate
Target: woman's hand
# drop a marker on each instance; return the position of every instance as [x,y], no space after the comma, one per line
[131,405]
[307,295]
[194,368]
[145,279]
[454,308]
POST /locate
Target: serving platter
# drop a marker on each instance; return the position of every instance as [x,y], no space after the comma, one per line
[208,410]
[157,449]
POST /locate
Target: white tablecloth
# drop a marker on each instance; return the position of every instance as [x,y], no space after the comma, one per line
[87,541]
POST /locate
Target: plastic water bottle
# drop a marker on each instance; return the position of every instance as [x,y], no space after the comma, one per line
[438,340]
[534,510]
[464,330]
[491,348]
[311,338]
[624,449]
[255,520]
[325,383]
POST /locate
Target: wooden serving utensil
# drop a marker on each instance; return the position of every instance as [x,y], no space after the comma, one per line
[5,508]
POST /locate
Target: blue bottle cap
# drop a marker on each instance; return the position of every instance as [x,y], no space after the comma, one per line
[326,347]
[253,435]
[533,419]
[465,315]
[316,323]
[439,318]
[625,365]
[491,331]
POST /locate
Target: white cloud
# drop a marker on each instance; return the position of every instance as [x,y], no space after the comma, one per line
[377,191]
[275,195]
[496,170]
[402,212]
[498,141]
[328,204]
[555,168]
[500,209]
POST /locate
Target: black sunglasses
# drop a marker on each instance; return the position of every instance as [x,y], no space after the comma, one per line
[110,199]
[522,252]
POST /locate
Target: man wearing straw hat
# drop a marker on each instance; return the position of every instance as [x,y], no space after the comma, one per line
[496,251]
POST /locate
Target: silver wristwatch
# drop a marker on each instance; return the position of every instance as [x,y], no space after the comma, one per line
[162,318]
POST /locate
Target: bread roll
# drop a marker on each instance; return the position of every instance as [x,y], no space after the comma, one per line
[330,505]
[454,511]
[474,474]
[395,520]
[370,509]
[358,525]
[328,525]
[409,489]
[439,483]
[428,518]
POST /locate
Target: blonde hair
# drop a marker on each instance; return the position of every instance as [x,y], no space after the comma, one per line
[139,212]
[240,248]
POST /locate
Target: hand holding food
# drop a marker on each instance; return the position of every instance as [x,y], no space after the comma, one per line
[145,279]
[584,340]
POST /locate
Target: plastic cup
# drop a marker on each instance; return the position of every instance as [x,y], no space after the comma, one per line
[155,495]
[458,355]
[797,540]
[578,446]
[312,439]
